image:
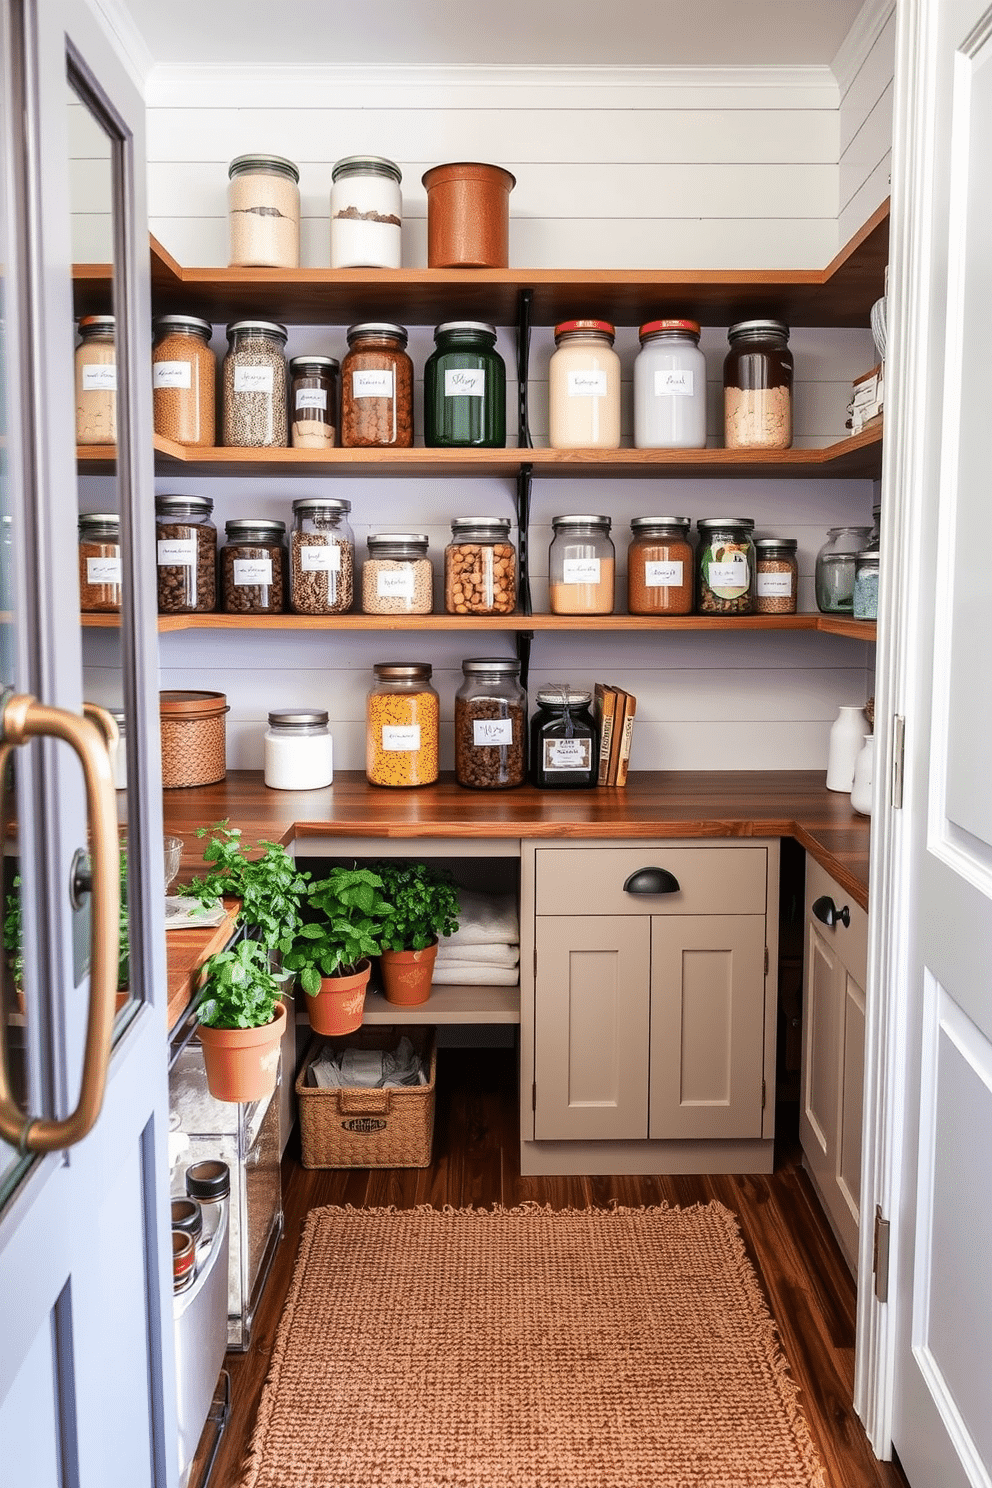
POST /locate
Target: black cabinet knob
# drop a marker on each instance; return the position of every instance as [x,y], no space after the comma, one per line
[652,881]
[827,912]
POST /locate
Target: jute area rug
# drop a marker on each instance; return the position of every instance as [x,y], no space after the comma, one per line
[528,1348]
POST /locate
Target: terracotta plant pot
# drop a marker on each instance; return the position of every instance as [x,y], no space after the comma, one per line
[407,975]
[338,1006]
[468,216]
[242,1063]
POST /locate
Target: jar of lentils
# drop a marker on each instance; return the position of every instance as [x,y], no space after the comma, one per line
[253,566]
[480,566]
[313,402]
[397,577]
[321,557]
[757,386]
[726,565]
[660,570]
[776,581]
[670,387]
[183,375]
[99,562]
[263,205]
[255,385]
[584,387]
[186,542]
[401,740]
[377,388]
[465,388]
[96,381]
[581,566]
[366,213]
[490,725]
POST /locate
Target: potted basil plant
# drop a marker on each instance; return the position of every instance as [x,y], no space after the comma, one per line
[423,901]
[344,914]
[242,1018]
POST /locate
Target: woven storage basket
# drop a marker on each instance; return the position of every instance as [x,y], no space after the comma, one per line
[360,1128]
[194,738]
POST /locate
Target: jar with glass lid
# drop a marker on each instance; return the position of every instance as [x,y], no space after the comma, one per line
[183,376]
[99,562]
[263,207]
[669,387]
[465,388]
[366,213]
[253,566]
[255,385]
[726,565]
[835,563]
[480,567]
[757,386]
[96,381]
[313,402]
[776,581]
[321,556]
[401,737]
[584,387]
[491,725]
[377,387]
[581,564]
[298,750]
[186,543]
[397,576]
[660,571]
[564,739]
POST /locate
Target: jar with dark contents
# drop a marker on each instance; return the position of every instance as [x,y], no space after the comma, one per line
[564,740]
[255,385]
[776,580]
[186,542]
[726,565]
[480,567]
[490,725]
[377,388]
[253,566]
[313,402]
[321,557]
[99,562]
[660,566]
[465,388]
[757,386]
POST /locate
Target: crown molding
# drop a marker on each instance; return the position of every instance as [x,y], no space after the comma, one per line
[126,39]
[857,44]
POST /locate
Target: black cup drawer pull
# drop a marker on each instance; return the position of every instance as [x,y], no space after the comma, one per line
[652,881]
[827,912]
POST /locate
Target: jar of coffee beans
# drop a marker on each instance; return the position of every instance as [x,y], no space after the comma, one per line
[377,387]
[490,725]
[313,402]
[253,566]
[480,566]
[99,562]
[255,385]
[776,579]
[184,370]
[321,557]
[660,566]
[397,577]
[186,542]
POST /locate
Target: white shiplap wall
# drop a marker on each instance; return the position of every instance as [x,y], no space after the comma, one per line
[864,68]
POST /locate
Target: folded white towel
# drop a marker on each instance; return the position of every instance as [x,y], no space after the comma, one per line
[469,974]
[479,955]
[485,919]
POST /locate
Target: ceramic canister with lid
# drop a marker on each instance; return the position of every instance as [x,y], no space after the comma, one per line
[584,387]
[670,387]
[263,205]
[298,750]
[366,213]
[468,215]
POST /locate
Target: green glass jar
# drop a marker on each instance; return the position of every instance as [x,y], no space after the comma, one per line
[465,388]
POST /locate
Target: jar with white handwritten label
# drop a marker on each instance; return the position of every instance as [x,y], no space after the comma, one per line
[670,387]
[465,388]
[491,725]
[96,381]
[581,563]
[377,387]
[584,387]
[255,385]
[184,371]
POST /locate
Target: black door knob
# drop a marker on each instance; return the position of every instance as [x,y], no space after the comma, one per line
[827,912]
[652,881]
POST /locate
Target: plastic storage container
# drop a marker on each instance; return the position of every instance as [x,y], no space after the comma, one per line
[465,388]
[468,215]
[255,385]
[366,213]
[564,740]
[584,387]
[253,566]
[835,565]
[776,581]
[99,562]
[299,751]
[186,542]
[660,570]
[581,566]
[377,387]
[757,386]
[490,725]
[401,740]
[96,381]
[480,566]
[263,207]
[321,557]
[184,371]
[726,565]
[313,402]
[669,387]
[397,577]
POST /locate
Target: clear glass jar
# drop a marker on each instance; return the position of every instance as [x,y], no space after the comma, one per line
[99,562]
[298,750]
[581,566]
[366,213]
[465,388]
[184,371]
[480,567]
[313,402]
[757,386]
[96,381]
[118,755]
[726,565]
[255,385]
[776,576]
[669,387]
[584,387]
[321,557]
[263,207]
[401,739]
[835,569]
[253,566]
[491,725]
[660,570]
[186,541]
[397,576]
[866,585]
[564,740]
[377,388]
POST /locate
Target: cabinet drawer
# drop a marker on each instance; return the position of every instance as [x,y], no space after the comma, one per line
[849,943]
[590,881]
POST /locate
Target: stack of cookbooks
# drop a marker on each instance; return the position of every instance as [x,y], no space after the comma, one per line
[615,711]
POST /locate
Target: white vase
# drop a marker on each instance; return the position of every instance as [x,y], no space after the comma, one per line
[864,769]
[846,735]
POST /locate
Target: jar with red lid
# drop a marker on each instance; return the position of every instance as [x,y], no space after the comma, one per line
[584,387]
[670,387]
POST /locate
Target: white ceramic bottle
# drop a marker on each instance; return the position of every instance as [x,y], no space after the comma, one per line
[847,733]
[864,769]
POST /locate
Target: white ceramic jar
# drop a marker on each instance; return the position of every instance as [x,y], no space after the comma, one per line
[366,213]
[584,387]
[298,750]
[864,770]
[847,734]
[670,387]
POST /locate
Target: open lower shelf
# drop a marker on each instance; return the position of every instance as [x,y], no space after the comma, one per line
[456,1004]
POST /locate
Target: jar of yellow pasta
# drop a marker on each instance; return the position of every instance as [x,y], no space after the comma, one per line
[401,725]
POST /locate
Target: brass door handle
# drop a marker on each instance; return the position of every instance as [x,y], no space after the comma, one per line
[23,718]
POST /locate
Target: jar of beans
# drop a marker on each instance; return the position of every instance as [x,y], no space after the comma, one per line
[401,739]
[184,371]
[491,725]
[757,386]
[321,557]
[313,402]
[776,580]
[465,388]
[397,577]
[263,205]
[726,565]
[377,388]
[186,542]
[253,566]
[255,385]
[96,381]
[480,566]
[584,387]
[581,566]
[99,562]
[660,566]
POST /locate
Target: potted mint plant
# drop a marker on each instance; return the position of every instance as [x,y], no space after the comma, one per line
[242,1018]
[423,902]
[265,878]
[344,914]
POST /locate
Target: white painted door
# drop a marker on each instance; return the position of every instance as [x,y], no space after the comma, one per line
[87,1397]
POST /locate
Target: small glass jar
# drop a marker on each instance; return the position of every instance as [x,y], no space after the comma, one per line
[298,750]
[377,388]
[726,565]
[465,388]
[757,386]
[321,557]
[491,725]
[397,577]
[776,576]
[118,755]
[581,566]
[401,739]
[564,740]
[184,371]
[834,578]
[660,566]
[313,402]
[253,566]
[96,381]
[186,542]
[866,584]
[263,206]
[584,387]
[255,385]
[366,213]
[480,567]
[670,387]
[99,562]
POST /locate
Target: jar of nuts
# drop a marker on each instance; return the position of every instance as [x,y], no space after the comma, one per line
[397,577]
[726,565]
[253,566]
[377,387]
[186,542]
[401,735]
[183,374]
[776,579]
[313,402]
[255,384]
[490,725]
[480,567]
[321,557]
[99,562]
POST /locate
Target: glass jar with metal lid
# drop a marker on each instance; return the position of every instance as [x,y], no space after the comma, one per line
[255,385]
[183,376]
[776,576]
[263,206]
[313,402]
[96,381]
[465,388]
[366,213]
[397,577]
[584,387]
[564,739]
[99,562]
[726,565]
[491,725]
[321,556]
[660,566]
[669,387]
[757,386]
[835,563]
[377,387]
[581,566]
[480,566]
[401,740]
[298,750]
[186,542]
[253,566]
[866,566]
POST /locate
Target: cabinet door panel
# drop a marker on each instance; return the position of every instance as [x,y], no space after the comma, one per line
[851,1111]
[821,1055]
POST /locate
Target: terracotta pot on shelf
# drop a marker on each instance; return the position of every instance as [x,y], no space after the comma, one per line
[340,1003]
[468,215]
[407,975]
[242,1063]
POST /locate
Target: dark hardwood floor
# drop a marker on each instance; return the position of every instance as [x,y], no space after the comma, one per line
[476,1163]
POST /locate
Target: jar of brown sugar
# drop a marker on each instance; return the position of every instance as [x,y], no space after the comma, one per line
[313,402]
[660,566]
[184,372]
[480,567]
[776,576]
[99,562]
[757,386]
[377,388]
[581,566]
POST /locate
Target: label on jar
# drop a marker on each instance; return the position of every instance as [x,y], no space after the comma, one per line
[587,384]
[177,552]
[311,398]
[395,583]
[172,375]
[661,575]
[464,382]
[401,737]
[728,580]
[580,571]
[252,571]
[775,585]
[492,731]
[567,754]
[99,377]
[253,380]
[103,570]
[670,383]
[373,384]
[325,559]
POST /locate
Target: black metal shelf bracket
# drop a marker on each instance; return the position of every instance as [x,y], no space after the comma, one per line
[523,640]
[524,486]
